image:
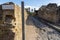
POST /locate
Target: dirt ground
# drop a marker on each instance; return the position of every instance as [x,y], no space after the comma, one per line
[32,32]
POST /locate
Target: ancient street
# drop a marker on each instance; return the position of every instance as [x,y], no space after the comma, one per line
[36,30]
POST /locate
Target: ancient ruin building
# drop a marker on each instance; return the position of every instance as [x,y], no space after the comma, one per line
[58,13]
[10,16]
[49,12]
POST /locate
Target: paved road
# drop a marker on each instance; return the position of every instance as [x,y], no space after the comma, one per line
[35,30]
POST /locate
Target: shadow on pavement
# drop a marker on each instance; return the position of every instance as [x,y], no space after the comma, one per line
[29,21]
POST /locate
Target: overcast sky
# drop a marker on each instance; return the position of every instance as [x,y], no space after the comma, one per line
[32,3]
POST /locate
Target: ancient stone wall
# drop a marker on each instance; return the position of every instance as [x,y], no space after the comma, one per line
[13,30]
[49,13]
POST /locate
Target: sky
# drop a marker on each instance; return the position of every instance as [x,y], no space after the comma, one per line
[32,3]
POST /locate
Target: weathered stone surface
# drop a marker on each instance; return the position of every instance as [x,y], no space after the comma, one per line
[49,12]
[13,17]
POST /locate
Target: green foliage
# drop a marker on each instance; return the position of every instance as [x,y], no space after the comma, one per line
[30,13]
